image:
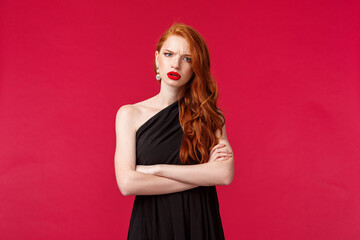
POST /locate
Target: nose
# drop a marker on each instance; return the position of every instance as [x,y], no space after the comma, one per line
[176,63]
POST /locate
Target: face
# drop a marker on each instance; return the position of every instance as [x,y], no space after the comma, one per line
[174,61]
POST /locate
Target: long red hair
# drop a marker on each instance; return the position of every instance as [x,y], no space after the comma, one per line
[199,116]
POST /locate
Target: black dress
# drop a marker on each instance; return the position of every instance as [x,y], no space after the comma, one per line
[188,215]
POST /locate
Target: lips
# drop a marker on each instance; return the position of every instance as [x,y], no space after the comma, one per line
[174,75]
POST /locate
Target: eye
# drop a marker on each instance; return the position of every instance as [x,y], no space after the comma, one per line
[187,59]
[167,54]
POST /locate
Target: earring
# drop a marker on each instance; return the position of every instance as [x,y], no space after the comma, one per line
[158,75]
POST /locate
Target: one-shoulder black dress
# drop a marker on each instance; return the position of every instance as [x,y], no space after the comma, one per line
[188,215]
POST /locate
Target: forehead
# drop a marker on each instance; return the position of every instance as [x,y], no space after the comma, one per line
[176,44]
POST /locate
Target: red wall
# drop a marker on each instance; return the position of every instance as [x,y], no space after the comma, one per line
[289,82]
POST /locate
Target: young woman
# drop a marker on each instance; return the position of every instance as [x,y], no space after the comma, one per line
[172,149]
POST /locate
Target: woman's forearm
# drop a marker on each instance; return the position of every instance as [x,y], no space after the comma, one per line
[206,174]
[136,183]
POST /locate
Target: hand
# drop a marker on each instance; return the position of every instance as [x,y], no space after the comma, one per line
[220,153]
[147,169]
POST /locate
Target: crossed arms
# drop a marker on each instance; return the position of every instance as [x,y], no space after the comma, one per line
[157,179]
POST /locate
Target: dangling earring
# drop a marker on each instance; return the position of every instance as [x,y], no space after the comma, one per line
[158,75]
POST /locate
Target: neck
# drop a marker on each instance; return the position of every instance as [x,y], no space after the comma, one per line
[167,95]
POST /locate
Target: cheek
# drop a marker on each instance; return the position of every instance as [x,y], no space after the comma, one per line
[162,63]
[189,71]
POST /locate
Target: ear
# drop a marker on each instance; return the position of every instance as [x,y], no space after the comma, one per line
[157,58]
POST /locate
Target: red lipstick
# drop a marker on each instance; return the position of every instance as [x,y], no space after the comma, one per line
[173,75]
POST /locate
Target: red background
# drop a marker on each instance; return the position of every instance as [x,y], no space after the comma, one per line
[289,82]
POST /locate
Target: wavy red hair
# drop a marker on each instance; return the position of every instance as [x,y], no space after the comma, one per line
[199,116]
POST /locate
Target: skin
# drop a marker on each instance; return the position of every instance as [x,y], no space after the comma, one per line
[135,179]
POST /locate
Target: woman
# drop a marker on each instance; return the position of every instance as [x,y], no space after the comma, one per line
[172,149]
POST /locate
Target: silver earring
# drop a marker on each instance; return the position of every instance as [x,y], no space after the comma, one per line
[158,75]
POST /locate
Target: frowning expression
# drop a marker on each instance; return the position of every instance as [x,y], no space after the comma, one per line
[174,61]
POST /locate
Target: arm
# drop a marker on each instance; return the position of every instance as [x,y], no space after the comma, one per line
[131,182]
[206,174]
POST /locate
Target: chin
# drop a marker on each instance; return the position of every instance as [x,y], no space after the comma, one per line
[176,83]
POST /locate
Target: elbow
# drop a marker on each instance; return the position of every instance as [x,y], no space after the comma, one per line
[224,173]
[227,180]
[228,177]
[125,187]
[124,191]
[126,181]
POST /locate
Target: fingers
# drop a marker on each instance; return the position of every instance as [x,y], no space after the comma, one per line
[220,156]
[220,153]
[218,146]
[223,158]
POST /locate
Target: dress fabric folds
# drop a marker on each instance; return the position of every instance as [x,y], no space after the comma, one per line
[188,215]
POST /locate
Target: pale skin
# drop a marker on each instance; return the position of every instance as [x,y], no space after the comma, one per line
[157,179]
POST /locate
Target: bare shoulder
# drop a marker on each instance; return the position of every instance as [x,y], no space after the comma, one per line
[126,113]
[133,115]
[132,110]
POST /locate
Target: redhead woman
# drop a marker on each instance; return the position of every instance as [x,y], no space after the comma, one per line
[172,149]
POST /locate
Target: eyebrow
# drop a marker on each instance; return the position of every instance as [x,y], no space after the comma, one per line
[183,54]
